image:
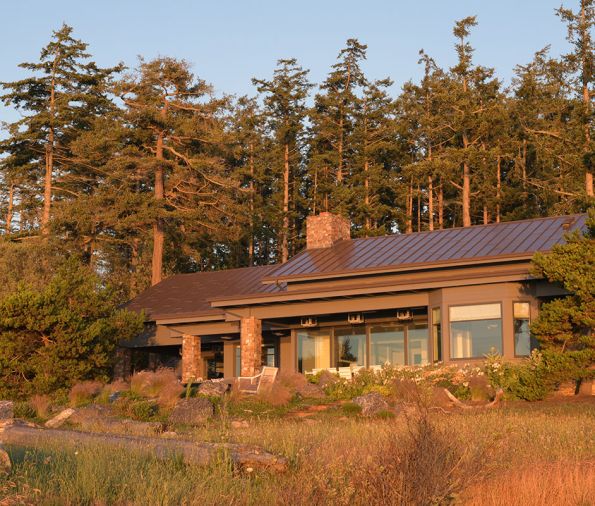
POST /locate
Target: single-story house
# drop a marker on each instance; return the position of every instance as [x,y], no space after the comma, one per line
[451,295]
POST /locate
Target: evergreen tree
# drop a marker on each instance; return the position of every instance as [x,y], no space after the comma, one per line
[333,120]
[567,323]
[581,65]
[179,131]
[285,107]
[59,101]
[66,332]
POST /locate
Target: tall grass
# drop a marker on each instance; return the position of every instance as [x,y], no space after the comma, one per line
[535,455]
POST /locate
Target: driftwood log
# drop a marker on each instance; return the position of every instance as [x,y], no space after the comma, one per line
[457,403]
[245,457]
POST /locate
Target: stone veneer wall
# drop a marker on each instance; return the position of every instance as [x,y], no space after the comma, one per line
[325,229]
[191,358]
[251,346]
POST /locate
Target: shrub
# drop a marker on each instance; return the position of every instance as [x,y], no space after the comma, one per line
[431,466]
[162,385]
[41,404]
[350,408]
[64,333]
[23,409]
[276,395]
[540,374]
[143,411]
[83,394]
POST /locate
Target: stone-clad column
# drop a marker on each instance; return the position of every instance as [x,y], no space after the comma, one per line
[251,346]
[191,358]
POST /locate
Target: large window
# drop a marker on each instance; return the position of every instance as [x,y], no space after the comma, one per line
[314,349]
[475,330]
[522,336]
[417,344]
[387,344]
[350,346]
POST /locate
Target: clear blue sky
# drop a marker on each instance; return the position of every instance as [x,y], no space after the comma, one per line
[230,41]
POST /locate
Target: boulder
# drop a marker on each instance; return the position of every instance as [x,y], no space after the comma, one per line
[194,411]
[59,419]
[5,463]
[371,404]
[310,391]
[213,388]
[6,410]
[101,419]
[88,414]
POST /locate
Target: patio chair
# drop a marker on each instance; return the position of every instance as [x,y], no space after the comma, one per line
[254,384]
[345,373]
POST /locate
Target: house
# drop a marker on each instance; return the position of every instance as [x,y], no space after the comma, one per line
[450,295]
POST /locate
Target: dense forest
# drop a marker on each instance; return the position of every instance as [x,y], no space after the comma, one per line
[144,172]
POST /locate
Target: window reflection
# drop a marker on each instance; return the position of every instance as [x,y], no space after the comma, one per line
[350,346]
[387,344]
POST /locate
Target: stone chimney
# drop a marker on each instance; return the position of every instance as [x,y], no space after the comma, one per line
[325,229]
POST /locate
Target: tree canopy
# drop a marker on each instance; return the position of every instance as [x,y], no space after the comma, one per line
[144,172]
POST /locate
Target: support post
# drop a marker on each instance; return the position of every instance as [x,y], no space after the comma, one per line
[191,358]
[251,346]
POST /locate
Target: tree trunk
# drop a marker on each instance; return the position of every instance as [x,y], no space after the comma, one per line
[285,232]
[158,232]
[367,195]
[9,211]
[466,195]
[252,189]
[410,208]
[418,209]
[430,203]
[586,58]
[49,158]
[193,453]
[486,215]
[440,205]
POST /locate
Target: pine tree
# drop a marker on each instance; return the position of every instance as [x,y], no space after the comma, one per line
[375,152]
[581,64]
[59,101]
[333,121]
[285,106]
[179,130]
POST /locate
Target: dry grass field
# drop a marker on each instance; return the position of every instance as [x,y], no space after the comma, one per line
[519,454]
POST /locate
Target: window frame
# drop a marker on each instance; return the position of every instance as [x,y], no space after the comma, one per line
[487,303]
[440,326]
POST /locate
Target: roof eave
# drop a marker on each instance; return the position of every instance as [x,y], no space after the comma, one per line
[400,268]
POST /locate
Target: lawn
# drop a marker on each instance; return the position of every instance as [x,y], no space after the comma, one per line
[521,453]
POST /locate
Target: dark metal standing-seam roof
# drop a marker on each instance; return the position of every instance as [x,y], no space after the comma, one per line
[507,239]
[189,294]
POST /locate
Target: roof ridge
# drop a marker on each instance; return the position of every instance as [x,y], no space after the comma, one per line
[479,225]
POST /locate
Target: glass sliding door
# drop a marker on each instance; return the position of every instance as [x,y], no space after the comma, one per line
[350,346]
[314,349]
[387,344]
[417,344]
